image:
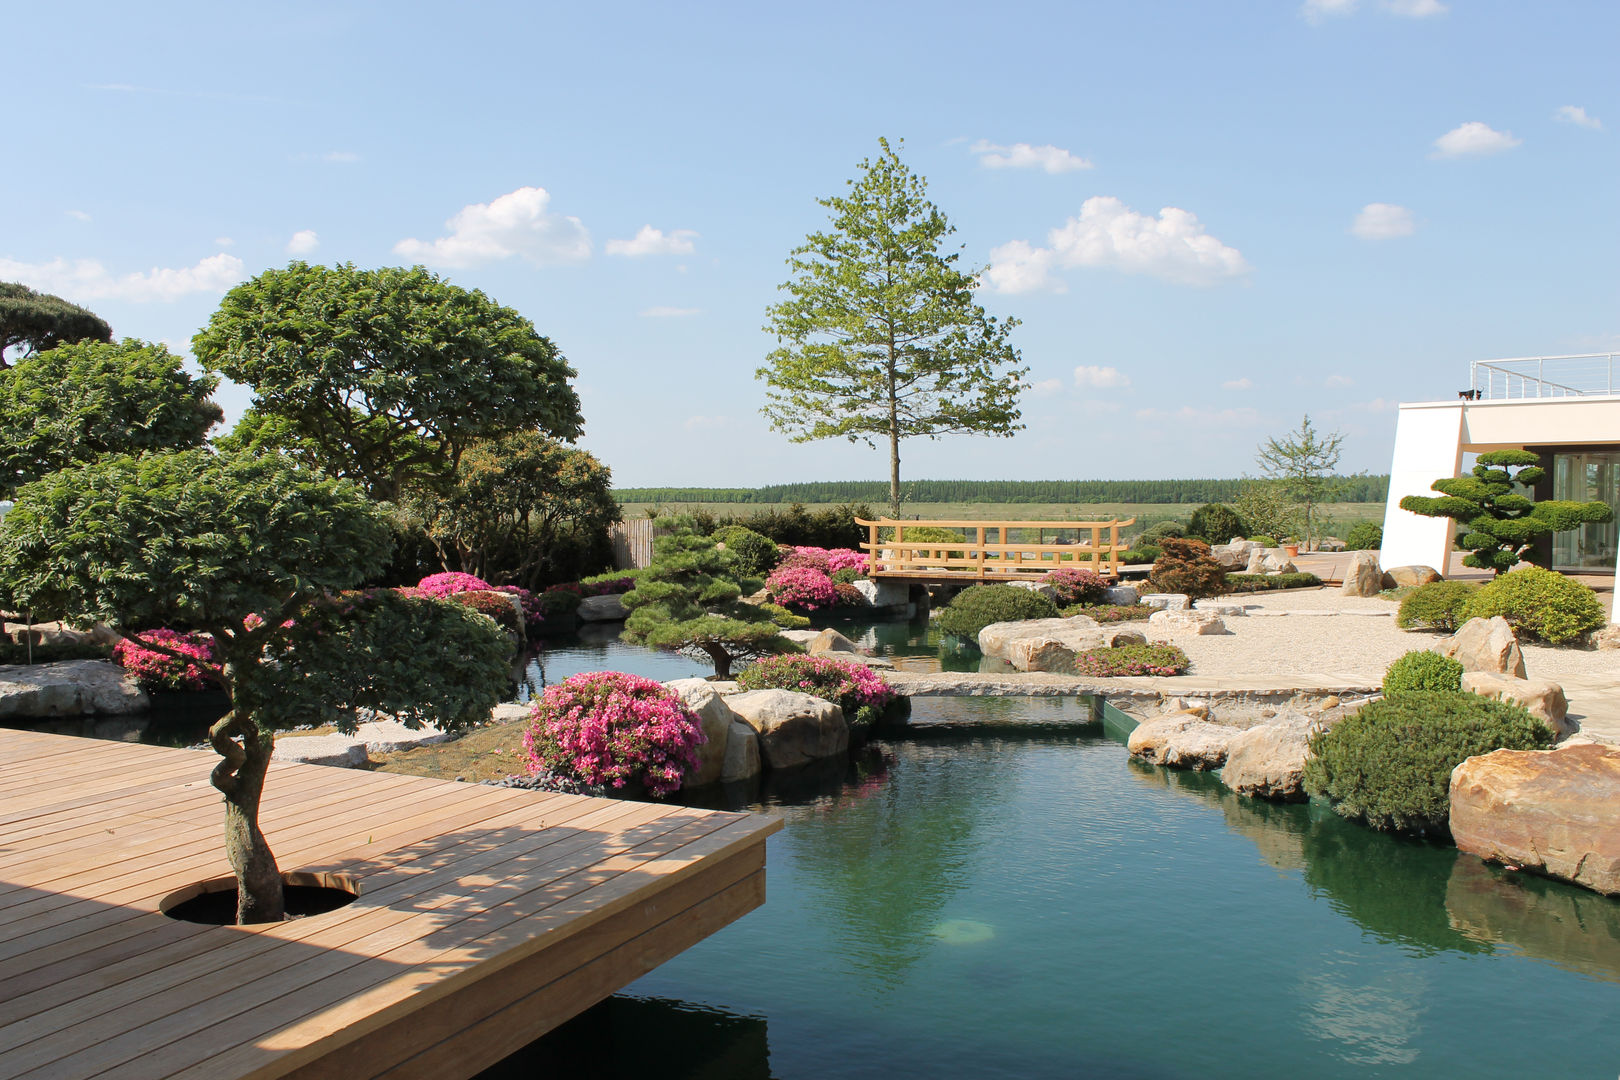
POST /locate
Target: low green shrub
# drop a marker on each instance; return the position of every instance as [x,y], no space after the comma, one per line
[560,602]
[1123,660]
[1265,541]
[976,607]
[755,553]
[1423,670]
[1216,523]
[1270,582]
[1390,764]
[1162,530]
[784,618]
[1364,536]
[1187,567]
[1140,554]
[1439,605]
[1111,613]
[1540,604]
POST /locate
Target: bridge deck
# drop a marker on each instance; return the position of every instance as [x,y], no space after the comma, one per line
[894,553]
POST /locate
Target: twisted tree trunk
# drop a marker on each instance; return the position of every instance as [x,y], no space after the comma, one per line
[240,778]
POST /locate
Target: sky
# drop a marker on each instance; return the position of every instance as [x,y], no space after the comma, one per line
[1211,219]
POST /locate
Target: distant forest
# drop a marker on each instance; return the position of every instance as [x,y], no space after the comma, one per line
[1356,489]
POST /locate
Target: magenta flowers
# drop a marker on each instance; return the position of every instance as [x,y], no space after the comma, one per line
[612,728]
[160,671]
[452,582]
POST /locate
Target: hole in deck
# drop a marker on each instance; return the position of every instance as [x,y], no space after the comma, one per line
[214,902]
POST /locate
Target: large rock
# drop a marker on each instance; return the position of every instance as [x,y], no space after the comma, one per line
[1275,562]
[1485,645]
[69,688]
[1041,644]
[1039,587]
[793,729]
[1182,741]
[1542,698]
[1235,555]
[1552,811]
[884,594]
[1268,761]
[385,735]
[603,609]
[1186,622]
[829,641]
[1220,607]
[715,718]
[1363,577]
[1607,638]
[1167,601]
[1115,636]
[1401,577]
[1123,595]
[1257,562]
[801,638]
[742,754]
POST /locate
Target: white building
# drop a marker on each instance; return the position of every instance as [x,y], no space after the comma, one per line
[1565,408]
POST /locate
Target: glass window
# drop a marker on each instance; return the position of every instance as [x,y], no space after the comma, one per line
[1583,477]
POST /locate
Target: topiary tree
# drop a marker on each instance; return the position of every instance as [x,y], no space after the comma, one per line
[1495,525]
[1216,523]
[74,403]
[32,322]
[1439,605]
[977,606]
[1186,566]
[1539,604]
[689,600]
[251,550]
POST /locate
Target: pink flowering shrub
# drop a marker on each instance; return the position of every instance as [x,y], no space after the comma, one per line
[452,582]
[158,671]
[853,687]
[846,559]
[534,613]
[1131,660]
[1076,585]
[805,558]
[801,587]
[607,727]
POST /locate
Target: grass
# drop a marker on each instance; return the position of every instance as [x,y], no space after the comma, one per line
[493,752]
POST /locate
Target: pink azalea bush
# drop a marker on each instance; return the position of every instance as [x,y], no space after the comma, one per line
[608,727]
[1121,660]
[801,587]
[855,688]
[159,671]
[846,559]
[828,561]
[452,582]
[1076,585]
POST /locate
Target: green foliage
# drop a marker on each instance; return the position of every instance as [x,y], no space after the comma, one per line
[1439,605]
[1302,463]
[1111,613]
[784,618]
[977,606]
[1216,523]
[1123,661]
[502,607]
[1540,605]
[833,527]
[1423,670]
[1364,536]
[1358,489]
[1268,508]
[390,375]
[1265,541]
[1390,764]
[1187,567]
[33,322]
[558,605]
[1140,554]
[1160,531]
[13,653]
[74,403]
[756,553]
[880,336]
[1270,582]
[689,600]
[1496,525]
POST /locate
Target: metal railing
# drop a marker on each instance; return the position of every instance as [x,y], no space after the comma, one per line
[1581,375]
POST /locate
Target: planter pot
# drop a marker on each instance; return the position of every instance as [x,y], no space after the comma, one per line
[1290,550]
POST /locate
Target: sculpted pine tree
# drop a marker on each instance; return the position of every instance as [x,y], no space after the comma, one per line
[31,322]
[880,337]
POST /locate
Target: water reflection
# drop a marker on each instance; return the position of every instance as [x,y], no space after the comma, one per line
[177,719]
[1572,928]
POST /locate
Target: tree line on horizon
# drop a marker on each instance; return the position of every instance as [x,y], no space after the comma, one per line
[1361,488]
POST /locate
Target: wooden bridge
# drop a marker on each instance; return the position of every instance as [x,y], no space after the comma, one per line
[980,557]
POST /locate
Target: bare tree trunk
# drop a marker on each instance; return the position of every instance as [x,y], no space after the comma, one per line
[240,778]
[721,658]
[894,438]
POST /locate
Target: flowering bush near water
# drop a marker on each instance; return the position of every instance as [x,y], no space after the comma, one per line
[612,728]
[856,689]
[804,577]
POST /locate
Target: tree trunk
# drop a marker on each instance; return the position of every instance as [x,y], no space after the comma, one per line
[721,658]
[894,438]
[240,778]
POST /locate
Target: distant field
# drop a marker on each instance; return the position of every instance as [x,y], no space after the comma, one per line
[1340,515]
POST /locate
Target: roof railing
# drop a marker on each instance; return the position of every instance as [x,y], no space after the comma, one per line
[1580,375]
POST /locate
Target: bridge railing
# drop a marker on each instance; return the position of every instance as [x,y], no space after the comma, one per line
[986,552]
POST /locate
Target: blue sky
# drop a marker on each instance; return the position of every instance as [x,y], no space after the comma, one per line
[1211,218]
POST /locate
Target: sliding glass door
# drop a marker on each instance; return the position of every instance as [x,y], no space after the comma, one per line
[1583,477]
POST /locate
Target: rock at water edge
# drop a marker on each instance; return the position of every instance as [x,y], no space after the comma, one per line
[742,754]
[1182,741]
[1041,644]
[793,728]
[1268,761]
[603,609]
[69,688]
[829,641]
[715,718]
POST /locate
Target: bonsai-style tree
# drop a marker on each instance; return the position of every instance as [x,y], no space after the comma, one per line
[1216,523]
[73,403]
[1495,525]
[880,336]
[251,550]
[388,375]
[31,322]
[1302,463]
[689,600]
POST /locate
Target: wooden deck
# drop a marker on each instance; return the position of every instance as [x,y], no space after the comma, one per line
[486,916]
[978,557]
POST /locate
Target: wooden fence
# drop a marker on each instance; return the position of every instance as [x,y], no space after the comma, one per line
[632,543]
[978,557]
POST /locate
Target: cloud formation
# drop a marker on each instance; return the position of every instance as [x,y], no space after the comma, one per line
[1383,221]
[303,242]
[1173,246]
[1473,139]
[1317,10]
[669,312]
[1052,159]
[1574,114]
[516,225]
[88,279]
[1415,9]
[1093,377]
[651,241]
[1244,383]
[78,215]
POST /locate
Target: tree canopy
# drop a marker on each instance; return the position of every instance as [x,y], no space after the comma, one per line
[389,375]
[880,337]
[32,322]
[73,403]
[1302,463]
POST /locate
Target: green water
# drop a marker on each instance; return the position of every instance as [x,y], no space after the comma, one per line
[986,901]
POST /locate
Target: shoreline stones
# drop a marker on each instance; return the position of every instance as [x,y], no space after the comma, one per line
[1541,698]
[793,729]
[69,688]
[1267,761]
[1182,740]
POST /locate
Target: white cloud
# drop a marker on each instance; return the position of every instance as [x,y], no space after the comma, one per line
[1244,383]
[1051,158]
[341,157]
[1574,114]
[516,224]
[703,423]
[303,242]
[1046,387]
[1383,221]
[88,279]
[78,215]
[224,241]
[1244,417]
[1473,139]
[1173,246]
[1415,9]
[1317,10]
[1100,378]
[669,312]
[651,241]
[1337,381]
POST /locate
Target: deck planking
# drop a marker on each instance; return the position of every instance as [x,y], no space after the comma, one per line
[486,916]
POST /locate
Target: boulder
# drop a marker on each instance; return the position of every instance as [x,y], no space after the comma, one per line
[69,688]
[1401,577]
[1363,577]
[1277,563]
[1550,811]
[884,594]
[742,754]
[1041,644]
[1186,622]
[1182,741]
[1040,587]
[1233,556]
[793,729]
[1115,636]
[1257,562]
[1167,601]
[1123,595]
[1542,698]
[1268,761]
[1485,645]
[603,609]
[801,638]
[829,641]
[342,751]
[385,735]
[1220,607]
[1607,638]
[715,718]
